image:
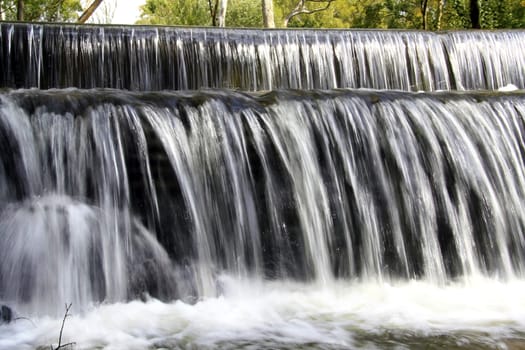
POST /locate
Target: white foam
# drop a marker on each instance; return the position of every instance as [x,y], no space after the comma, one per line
[508,88]
[287,314]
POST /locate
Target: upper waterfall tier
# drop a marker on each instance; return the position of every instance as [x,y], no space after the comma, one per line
[157,58]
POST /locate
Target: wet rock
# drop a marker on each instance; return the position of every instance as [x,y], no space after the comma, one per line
[6,314]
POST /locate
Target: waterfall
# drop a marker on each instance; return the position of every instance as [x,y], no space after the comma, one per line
[305,185]
[158,58]
[274,188]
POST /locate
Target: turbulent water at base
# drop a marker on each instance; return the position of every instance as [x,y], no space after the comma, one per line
[156,58]
[252,215]
[278,315]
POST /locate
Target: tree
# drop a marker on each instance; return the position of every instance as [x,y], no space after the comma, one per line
[244,13]
[46,10]
[40,10]
[408,14]
[213,6]
[489,14]
[403,14]
[221,12]
[267,13]
[218,12]
[88,12]
[441,10]
[105,12]
[424,12]
[306,7]
[179,12]
[240,13]
[366,14]
[20,10]
[474,14]
[517,11]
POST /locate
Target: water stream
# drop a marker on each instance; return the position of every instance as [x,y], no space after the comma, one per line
[382,217]
[158,58]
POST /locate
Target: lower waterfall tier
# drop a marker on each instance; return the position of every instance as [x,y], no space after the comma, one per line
[108,195]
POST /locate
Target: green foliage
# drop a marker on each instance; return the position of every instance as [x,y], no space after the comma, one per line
[406,14]
[401,14]
[366,14]
[244,13]
[517,19]
[241,13]
[176,12]
[358,14]
[494,14]
[43,10]
[8,9]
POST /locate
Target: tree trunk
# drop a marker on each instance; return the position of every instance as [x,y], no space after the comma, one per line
[221,13]
[424,10]
[20,10]
[441,8]
[89,11]
[474,14]
[267,13]
[213,11]
[301,8]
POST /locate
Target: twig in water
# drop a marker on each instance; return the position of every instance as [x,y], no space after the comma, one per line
[66,315]
[25,318]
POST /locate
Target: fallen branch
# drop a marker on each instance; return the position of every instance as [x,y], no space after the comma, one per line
[66,315]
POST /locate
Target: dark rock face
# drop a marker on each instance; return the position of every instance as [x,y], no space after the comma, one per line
[6,314]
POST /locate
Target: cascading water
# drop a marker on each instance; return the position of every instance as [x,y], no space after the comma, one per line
[156,58]
[278,219]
